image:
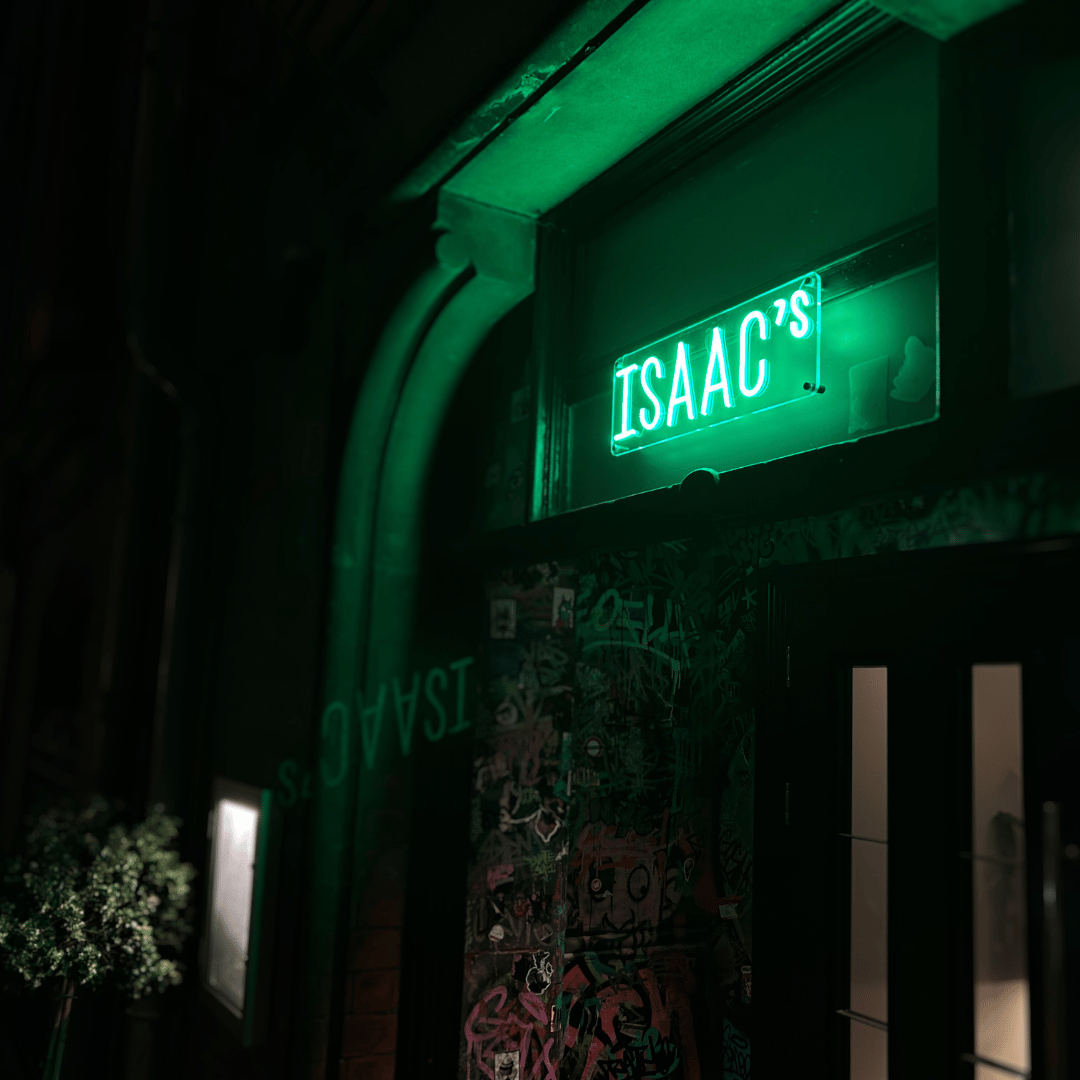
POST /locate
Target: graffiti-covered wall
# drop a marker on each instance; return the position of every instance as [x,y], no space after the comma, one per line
[520,829]
[610,908]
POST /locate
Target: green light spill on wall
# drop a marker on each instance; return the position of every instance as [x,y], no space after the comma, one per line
[757,356]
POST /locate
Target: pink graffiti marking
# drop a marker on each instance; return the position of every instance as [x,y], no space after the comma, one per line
[499,875]
[494,1022]
[667,989]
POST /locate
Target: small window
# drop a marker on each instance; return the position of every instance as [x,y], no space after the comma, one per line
[238,829]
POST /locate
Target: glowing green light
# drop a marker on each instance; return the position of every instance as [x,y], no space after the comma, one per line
[806,324]
[718,366]
[653,363]
[406,718]
[666,371]
[627,390]
[744,354]
[685,396]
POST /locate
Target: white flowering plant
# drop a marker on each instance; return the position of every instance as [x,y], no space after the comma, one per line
[92,902]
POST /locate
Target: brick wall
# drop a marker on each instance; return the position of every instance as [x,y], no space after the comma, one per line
[369,1033]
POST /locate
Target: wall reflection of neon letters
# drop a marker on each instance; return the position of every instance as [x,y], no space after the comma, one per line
[758,355]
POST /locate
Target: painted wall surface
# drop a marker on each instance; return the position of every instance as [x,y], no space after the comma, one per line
[610,908]
[516,908]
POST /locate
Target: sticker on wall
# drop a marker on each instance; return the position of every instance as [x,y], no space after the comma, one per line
[729,906]
[506,1066]
[503,619]
[562,608]
[916,376]
[506,713]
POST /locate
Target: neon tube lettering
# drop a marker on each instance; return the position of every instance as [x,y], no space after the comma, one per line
[717,363]
[627,431]
[686,395]
[744,354]
[652,364]
[806,324]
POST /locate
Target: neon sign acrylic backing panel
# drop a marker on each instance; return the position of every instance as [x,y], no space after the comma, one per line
[756,356]
[818,361]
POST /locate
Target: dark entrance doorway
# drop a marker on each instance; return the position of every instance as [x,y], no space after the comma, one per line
[917,815]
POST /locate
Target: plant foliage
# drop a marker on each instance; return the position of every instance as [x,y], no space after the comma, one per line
[96,902]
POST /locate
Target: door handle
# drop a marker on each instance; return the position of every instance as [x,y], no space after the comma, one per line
[1053,944]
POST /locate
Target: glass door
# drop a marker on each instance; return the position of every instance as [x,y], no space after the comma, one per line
[921,731]
[1001,990]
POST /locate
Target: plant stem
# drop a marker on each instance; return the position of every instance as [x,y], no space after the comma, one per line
[59,1031]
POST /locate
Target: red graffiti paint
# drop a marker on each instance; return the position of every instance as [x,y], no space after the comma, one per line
[501,1024]
[498,875]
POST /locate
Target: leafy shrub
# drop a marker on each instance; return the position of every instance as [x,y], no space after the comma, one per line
[93,902]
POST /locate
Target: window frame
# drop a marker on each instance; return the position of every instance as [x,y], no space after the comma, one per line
[981,430]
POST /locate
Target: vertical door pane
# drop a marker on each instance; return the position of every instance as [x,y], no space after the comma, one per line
[869,975]
[1001,975]
[869,1052]
[869,759]
[869,929]
[989,1072]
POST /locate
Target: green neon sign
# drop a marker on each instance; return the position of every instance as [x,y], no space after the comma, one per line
[754,357]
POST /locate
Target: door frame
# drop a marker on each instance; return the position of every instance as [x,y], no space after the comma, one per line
[821,621]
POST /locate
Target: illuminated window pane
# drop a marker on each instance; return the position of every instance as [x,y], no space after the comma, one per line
[869,929]
[659,267]
[235,830]
[991,1072]
[869,974]
[869,759]
[869,1052]
[1001,975]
